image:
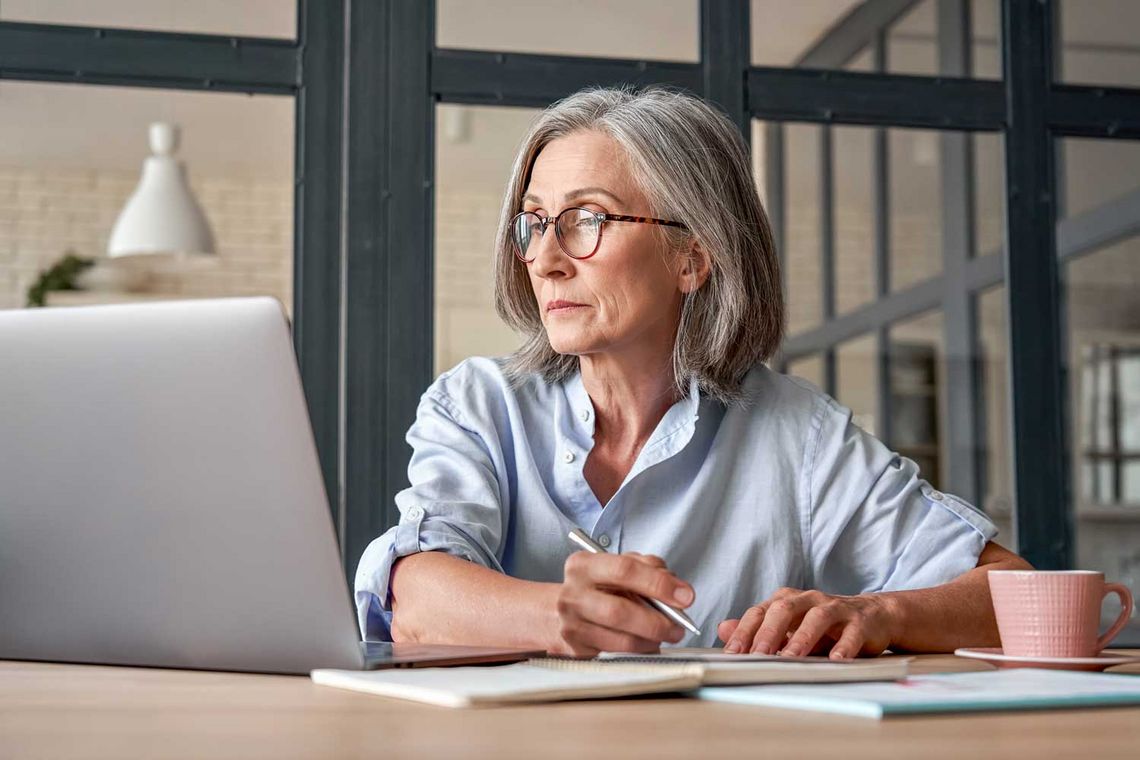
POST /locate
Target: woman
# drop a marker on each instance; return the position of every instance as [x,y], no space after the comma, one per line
[634,256]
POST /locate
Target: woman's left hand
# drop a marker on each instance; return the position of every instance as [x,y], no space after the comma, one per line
[816,622]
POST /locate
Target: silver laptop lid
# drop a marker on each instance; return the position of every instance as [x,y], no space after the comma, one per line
[161,501]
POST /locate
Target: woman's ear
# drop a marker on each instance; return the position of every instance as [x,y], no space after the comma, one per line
[694,270]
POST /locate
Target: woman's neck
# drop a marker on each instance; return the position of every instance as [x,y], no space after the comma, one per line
[630,396]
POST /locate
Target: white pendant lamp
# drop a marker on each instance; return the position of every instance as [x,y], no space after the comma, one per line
[162,216]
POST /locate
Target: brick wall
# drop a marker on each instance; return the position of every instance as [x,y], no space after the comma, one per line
[45,213]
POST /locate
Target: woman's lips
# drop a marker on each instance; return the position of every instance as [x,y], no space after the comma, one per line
[562,306]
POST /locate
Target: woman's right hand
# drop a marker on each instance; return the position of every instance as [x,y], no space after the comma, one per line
[598,610]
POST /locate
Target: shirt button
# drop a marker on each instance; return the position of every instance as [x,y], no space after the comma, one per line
[568,457]
[936,495]
[415,513]
[585,415]
[604,540]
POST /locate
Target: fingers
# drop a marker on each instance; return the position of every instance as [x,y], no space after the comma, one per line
[586,639]
[725,628]
[600,605]
[628,573]
[817,622]
[739,635]
[856,625]
[618,613]
[849,645]
[740,640]
[784,614]
[650,559]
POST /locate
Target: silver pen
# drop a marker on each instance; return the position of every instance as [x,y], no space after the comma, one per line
[583,540]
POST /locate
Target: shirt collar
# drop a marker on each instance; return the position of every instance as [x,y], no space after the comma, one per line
[682,414]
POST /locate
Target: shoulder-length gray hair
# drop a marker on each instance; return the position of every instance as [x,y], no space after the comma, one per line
[694,167]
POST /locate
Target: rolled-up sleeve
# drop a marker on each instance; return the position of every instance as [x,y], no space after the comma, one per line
[454,505]
[875,524]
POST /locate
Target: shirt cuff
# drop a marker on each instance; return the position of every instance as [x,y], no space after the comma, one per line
[374,575]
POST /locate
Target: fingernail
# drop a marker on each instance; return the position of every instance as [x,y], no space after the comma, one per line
[837,655]
[683,595]
[733,647]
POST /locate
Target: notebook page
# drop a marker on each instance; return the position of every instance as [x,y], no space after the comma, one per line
[533,681]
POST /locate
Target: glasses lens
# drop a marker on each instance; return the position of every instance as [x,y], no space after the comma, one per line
[577,229]
[526,231]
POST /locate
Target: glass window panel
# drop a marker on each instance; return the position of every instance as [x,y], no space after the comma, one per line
[853,199]
[1098,42]
[802,239]
[912,41]
[989,193]
[1129,399]
[1131,482]
[643,29]
[1103,339]
[474,149]
[783,32]
[71,155]
[996,464]
[864,62]
[1096,433]
[916,362]
[1104,336]
[249,18]
[759,163]
[809,368]
[915,225]
[857,380]
[985,36]
[1097,171]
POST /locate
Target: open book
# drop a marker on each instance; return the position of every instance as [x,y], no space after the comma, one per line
[612,675]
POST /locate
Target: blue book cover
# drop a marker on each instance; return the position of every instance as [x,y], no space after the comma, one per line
[1020,689]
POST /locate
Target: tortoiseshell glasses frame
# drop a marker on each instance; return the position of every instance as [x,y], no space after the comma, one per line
[577,230]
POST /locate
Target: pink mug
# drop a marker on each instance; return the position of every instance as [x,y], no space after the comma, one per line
[1054,613]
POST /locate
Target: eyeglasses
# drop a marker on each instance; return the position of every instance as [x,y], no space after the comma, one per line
[577,230]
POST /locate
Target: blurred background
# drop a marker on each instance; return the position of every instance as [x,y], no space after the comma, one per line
[299,120]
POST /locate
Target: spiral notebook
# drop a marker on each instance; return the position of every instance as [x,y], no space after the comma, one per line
[613,675]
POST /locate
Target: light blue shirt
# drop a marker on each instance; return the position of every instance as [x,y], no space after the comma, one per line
[740,500]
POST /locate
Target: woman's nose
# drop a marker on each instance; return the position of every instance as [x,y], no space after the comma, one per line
[549,261]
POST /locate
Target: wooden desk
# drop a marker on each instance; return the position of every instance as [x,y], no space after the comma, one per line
[49,710]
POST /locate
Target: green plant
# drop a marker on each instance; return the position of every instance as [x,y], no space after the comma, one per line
[59,276]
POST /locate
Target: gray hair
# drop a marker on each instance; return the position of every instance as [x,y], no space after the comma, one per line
[694,167]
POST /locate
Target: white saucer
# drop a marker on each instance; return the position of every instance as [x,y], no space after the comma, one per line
[994,655]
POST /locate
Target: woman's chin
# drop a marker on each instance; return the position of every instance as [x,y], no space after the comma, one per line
[566,344]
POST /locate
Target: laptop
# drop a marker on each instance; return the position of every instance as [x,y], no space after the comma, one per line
[161,500]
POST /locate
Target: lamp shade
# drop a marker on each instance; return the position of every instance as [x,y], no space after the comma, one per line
[162,216]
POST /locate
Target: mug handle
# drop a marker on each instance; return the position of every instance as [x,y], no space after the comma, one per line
[1126,602]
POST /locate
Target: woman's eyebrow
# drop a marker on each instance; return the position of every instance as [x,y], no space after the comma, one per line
[589,191]
[577,194]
